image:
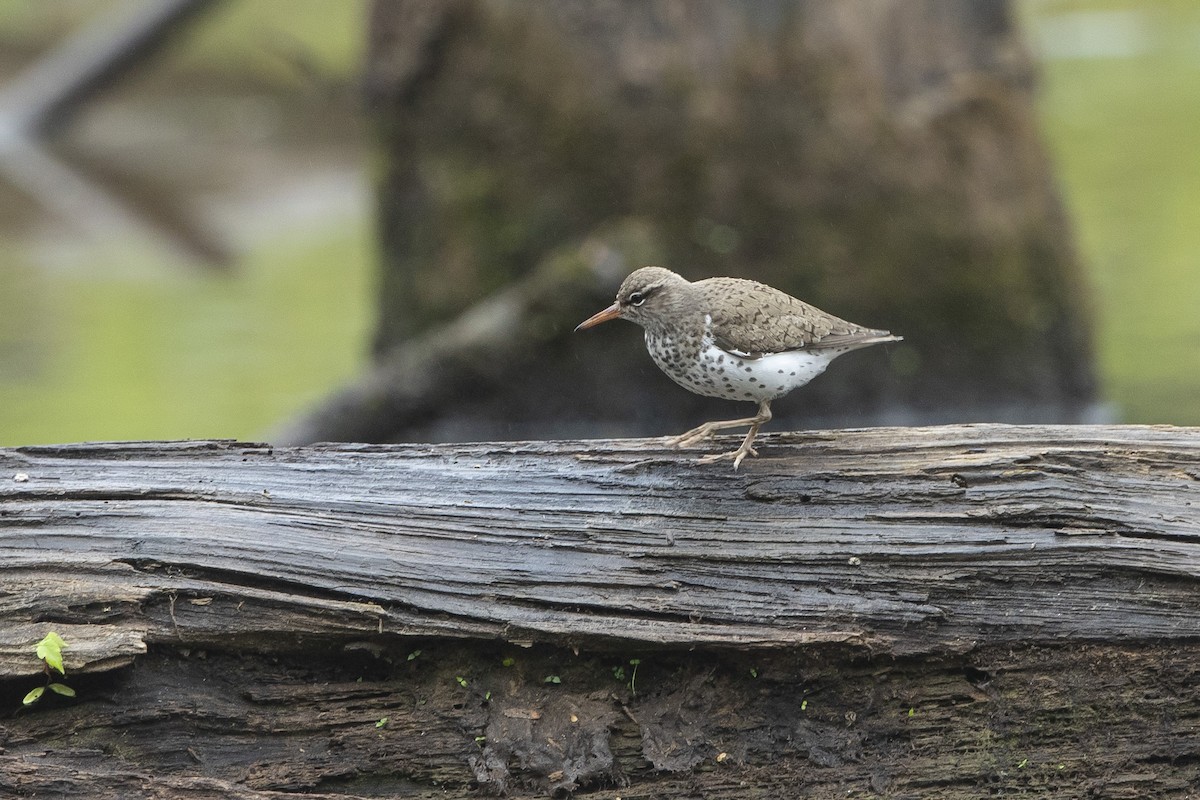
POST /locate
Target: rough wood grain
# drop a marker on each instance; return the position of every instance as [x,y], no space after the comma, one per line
[897,540]
[929,612]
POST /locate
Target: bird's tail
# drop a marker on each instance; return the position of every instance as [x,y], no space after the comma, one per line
[853,341]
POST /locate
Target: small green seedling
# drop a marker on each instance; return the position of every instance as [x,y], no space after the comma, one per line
[49,650]
[619,673]
[551,679]
[461,681]
[414,655]
[382,723]
[508,662]
[804,705]
[754,672]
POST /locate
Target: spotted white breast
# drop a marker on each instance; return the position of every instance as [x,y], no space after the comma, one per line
[704,368]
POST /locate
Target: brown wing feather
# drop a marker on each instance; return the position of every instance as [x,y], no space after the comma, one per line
[754,318]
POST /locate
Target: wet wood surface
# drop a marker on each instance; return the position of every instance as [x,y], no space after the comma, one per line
[237,589]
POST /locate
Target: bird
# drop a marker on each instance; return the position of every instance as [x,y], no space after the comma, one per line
[732,338]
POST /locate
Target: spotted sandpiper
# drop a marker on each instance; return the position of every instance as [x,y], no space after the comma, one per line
[732,338]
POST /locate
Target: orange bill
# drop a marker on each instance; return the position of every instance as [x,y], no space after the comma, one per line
[612,312]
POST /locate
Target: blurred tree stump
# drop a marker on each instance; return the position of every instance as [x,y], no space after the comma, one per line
[927,612]
[881,160]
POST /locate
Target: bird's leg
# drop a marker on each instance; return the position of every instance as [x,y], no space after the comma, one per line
[755,422]
[705,431]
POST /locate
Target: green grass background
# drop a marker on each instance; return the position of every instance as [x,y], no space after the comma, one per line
[1125,135]
[127,346]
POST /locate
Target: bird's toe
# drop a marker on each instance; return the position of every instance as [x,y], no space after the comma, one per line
[742,453]
[736,456]
[689,438]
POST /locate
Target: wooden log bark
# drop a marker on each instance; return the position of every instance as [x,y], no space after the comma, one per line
[931,612]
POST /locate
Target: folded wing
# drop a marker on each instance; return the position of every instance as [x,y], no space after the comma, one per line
[753,319]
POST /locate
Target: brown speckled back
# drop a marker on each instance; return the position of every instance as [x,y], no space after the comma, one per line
[751,317]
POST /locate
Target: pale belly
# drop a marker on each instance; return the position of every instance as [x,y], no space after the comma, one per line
[714,372]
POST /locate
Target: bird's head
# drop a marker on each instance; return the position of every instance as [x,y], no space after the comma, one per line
[647,296]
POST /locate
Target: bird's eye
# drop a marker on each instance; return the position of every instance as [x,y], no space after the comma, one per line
[637,298]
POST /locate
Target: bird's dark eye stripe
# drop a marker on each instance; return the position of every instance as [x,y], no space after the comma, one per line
[639,297]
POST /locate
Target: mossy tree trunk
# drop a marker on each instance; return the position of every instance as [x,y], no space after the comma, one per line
[881,160]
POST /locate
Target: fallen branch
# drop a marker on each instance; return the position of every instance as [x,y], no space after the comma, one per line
[488,343]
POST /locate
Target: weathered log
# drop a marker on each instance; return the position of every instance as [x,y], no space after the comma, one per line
[927,612]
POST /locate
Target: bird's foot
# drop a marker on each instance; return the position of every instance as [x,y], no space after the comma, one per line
[708,429]
[735,455]
[697,434]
